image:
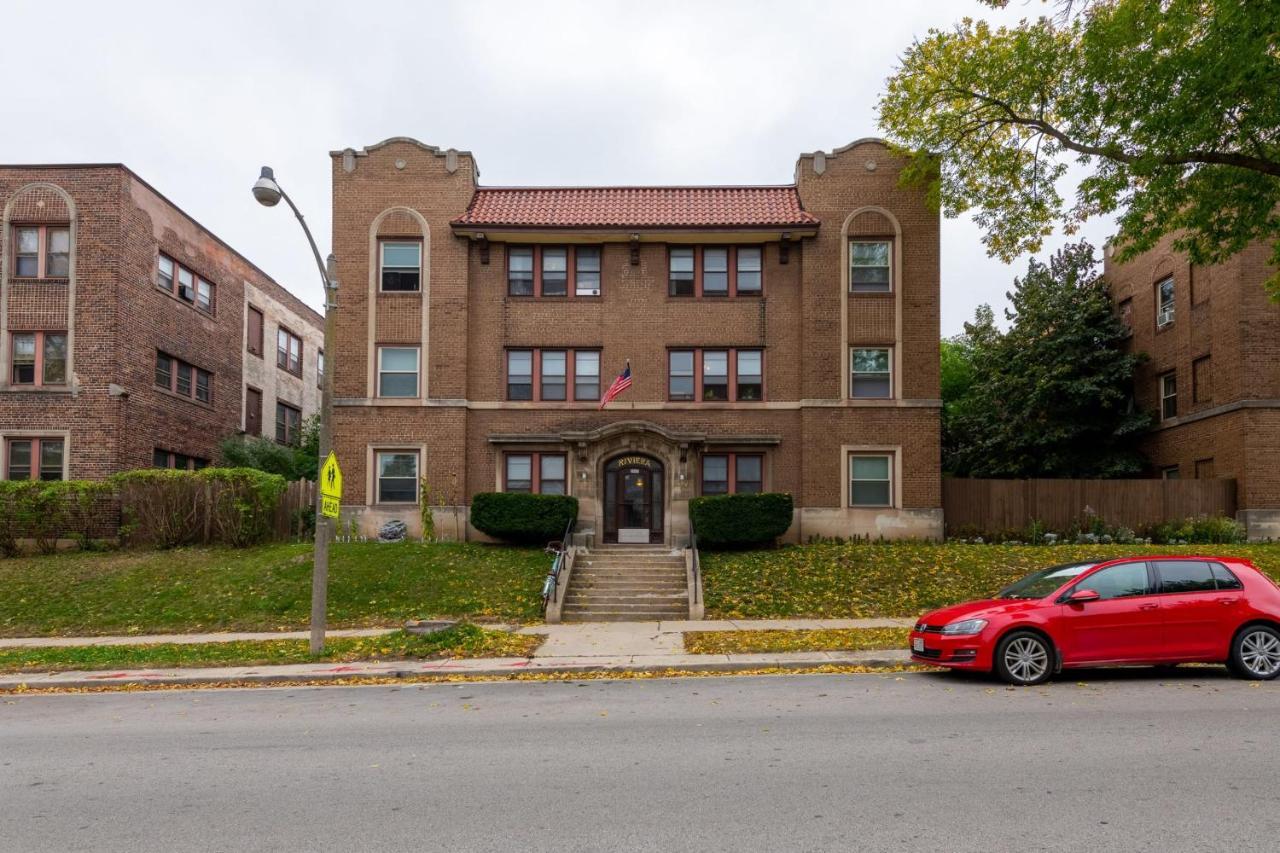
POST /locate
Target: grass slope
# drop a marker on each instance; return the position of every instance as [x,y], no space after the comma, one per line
[821,640]
[265,588]
[461,641]
[835,580]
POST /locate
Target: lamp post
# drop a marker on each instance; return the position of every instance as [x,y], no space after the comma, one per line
[268,193]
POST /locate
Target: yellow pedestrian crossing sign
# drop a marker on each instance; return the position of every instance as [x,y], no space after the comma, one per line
[330,486]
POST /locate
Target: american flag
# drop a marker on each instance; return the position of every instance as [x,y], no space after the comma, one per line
[622,383]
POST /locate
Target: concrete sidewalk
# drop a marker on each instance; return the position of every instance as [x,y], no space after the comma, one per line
[478,668]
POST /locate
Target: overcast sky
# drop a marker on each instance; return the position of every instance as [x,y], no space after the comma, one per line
[195,98]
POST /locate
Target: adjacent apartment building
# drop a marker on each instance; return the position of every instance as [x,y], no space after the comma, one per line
[779,338]
[1213,376]
[131,336]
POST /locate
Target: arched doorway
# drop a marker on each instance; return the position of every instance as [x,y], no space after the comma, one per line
[634,499]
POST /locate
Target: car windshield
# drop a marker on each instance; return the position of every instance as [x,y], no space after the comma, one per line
[1045,581]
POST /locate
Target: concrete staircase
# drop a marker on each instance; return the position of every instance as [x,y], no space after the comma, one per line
[626,583]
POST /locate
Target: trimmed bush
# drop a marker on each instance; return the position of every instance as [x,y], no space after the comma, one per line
[47,512]
[731,521]
[230,506]
[522,519]
[1205,530]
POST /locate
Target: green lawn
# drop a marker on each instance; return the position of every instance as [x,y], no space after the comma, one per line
[822,640]
[858,579]
[265,589]
[461,641]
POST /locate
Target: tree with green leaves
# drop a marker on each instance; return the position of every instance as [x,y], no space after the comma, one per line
[293,462]
[1172,108]
[1050,397]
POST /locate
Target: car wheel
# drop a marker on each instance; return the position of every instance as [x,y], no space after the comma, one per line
[1255,653]
[1024,658]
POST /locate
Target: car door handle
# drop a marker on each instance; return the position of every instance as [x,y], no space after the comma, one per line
[1227,602]
[1147,606]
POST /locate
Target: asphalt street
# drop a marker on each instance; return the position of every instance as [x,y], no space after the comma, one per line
[921,762]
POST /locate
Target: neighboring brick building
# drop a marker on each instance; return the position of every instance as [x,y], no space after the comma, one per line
[477,328]
[1213,377]
[108,291]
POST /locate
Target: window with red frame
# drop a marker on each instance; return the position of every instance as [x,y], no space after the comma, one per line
[715,375]
[714,271]
[732,473]
[41,251]
[555,271]
[185,380]
[172,277]
[535,473]
[179,461]
[34,458]
[39,359]
[547,374]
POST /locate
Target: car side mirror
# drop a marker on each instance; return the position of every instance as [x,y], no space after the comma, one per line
[1080,596]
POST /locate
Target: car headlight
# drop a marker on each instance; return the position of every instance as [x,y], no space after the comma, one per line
[968,626]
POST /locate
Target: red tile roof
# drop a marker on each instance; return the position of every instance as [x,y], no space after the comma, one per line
[636,207]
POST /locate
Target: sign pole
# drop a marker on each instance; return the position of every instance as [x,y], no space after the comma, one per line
[328,499]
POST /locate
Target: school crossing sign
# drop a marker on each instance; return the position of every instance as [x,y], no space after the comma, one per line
[330,487]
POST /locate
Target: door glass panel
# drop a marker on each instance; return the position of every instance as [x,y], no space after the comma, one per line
[635,497]
[1122,581]
[1185,576]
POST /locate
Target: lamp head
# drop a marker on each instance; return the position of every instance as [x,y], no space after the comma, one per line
[266,190]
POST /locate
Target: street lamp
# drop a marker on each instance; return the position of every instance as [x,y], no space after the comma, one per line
[268,193]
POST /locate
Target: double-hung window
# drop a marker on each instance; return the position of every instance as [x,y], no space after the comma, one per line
[586,274]
[750,374]
[749,270]
[870,268]
[34,458]
[586,375]
[1164,302]
[288,424]
[1168,396]
[555,271]
[715,375]
[732,473]
[870,480]
[520,374]
[536,473]
[39,358]
[554,374]
[401,263]
[397,371]
[397,476]
[186,380]
[177,280]
[715,272]
[871,375]
[288,351]
[680,271]
[520,271]
[41,251]
[680,377]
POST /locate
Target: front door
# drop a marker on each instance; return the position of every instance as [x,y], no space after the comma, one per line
[633,500]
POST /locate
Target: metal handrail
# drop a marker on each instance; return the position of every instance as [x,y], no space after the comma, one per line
[697,563]
[560,550]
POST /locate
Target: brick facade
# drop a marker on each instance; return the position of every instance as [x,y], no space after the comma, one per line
[109,412]
[1222,346]
[461,423]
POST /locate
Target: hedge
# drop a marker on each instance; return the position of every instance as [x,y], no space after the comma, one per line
[229,506]
[521,518]
[738,520]
[46,512]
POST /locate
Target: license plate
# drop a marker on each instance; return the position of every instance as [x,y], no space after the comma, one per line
[917,644]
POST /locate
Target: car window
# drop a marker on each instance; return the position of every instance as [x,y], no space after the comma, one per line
[1185,576]
[1122,581]
[1224,577]
[1045,581]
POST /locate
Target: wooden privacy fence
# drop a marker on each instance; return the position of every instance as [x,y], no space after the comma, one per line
[997,506]
[292,519]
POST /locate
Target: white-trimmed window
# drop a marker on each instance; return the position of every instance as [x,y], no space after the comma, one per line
[1168,396]
[397,476]
[397,371]
[870,267]
[870,479]
[1164,301]
[871,373]
[401,263]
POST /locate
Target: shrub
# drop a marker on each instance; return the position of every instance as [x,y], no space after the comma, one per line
[232,506]
[1205,530]
[293,463]
[521,518]
[48,512]
[739,520]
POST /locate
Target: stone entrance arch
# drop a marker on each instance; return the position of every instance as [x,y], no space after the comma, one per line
[635,499]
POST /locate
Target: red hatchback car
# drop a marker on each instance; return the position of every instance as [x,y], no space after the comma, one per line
[1153,610]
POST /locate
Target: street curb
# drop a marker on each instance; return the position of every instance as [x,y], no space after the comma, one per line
[51,681]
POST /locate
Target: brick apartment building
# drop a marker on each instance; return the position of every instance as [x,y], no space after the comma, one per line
[1213,378]
[780,338]
[131,336]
